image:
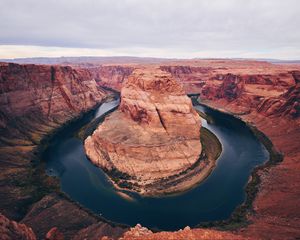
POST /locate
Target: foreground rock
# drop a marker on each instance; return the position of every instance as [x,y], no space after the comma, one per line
[141,233]
[10,230]
[54,216]
[154,135]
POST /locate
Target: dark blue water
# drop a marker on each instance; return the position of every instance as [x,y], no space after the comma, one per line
[214,199]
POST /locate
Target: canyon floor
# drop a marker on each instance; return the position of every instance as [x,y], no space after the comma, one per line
[36,100]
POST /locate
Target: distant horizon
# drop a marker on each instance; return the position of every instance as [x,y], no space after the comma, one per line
[150,57]
[23,51]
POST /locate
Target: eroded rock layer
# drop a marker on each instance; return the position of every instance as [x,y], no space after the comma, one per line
[154,134]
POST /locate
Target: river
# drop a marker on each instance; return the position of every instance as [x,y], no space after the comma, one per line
[214,199]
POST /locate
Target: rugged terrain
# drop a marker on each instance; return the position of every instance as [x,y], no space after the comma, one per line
[154,135]
[35,101]
[263,94]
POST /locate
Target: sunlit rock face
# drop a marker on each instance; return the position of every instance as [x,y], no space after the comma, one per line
[154,134]
[55,92]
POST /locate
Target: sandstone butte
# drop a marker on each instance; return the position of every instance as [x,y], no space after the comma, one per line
[155,133]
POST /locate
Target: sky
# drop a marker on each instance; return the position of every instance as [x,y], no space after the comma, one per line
[150,28]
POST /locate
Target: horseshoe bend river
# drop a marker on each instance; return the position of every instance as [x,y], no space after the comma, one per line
[213,199]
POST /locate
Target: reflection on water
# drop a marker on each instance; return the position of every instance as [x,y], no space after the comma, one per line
[214,199]
[106,107]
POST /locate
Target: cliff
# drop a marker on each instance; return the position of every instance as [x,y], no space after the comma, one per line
[36,100]
[285,105]
[246,85]
[54,91]
[155,133]
[111,76]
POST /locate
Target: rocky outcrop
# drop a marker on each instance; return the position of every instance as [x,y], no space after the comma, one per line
[155,133]
[141,233]
[296,76]
[11,230]
[56,216]
[287,104]
[54,234]
[231,88]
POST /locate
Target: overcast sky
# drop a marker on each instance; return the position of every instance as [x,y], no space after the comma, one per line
[154,28]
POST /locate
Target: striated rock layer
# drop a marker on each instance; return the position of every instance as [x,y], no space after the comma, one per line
[54,91]
[154,134]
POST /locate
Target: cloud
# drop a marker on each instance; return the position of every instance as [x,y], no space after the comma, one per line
[159,27]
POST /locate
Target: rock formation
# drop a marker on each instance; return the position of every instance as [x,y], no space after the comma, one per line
[155,133]
[231,88]
[111,76]
[287,104]
[54,91]
[141,233]
[10,230]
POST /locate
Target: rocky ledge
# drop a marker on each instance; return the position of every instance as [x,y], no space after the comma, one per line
[153,137]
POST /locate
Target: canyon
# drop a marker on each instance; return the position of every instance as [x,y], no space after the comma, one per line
[37,99]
